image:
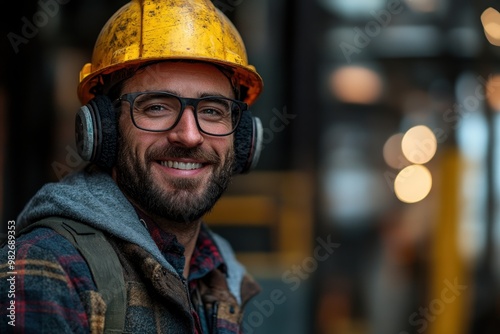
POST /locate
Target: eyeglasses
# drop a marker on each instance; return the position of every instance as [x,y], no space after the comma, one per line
[158,111]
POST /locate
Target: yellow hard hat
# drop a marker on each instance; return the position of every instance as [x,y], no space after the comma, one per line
[145,31]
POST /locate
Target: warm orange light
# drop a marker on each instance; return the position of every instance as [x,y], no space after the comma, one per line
[413,184]
[419,144]
[356,84]
[490,19]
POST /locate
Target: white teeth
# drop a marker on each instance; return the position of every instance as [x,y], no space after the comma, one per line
[181,165]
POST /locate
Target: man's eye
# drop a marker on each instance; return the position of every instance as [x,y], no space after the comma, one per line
[211,111]
[154,108]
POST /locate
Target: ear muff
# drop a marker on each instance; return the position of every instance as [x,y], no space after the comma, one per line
[247,143]
[96,131]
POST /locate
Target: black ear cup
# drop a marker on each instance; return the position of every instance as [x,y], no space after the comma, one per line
[247,143]
[96,131]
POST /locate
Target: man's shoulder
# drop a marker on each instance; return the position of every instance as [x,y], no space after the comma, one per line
[42,238]
[44,252]
[50,279]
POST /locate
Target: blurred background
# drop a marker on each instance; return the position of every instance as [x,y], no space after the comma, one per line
[374,208]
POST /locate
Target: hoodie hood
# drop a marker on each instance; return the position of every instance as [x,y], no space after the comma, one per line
[92,197]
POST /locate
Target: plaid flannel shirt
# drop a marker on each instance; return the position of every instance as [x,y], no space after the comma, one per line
[54,288]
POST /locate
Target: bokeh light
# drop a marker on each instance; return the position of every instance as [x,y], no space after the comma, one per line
[419,144]
[490,19]
[413,184]
[356,84]
[423,6]
[493,92]
[393,154]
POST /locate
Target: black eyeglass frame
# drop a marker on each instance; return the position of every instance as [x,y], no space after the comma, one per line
[185,101]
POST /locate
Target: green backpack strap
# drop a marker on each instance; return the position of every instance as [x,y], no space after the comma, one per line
[103,262]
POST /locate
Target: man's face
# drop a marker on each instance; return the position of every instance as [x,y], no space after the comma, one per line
[178,174]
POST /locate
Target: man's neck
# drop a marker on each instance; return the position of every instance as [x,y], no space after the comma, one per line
[186,235]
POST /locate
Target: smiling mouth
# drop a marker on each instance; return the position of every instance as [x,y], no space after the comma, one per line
[181,165]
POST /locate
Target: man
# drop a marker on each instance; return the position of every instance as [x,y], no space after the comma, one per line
[164,124]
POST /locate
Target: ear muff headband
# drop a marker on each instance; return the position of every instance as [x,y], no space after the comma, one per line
[258,135]
[96,136]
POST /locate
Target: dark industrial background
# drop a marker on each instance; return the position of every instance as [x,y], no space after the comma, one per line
[318,222]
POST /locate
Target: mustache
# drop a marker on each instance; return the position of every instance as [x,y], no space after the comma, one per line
[177,152]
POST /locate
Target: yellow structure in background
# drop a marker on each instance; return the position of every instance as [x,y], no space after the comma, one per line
[450,286]
[279,201]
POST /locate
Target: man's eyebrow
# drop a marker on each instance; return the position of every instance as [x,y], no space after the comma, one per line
[173,92]
[213,94]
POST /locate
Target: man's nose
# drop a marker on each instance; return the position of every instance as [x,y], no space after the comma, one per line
[186,132]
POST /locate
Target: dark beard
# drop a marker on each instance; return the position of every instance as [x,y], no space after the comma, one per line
[180,205]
